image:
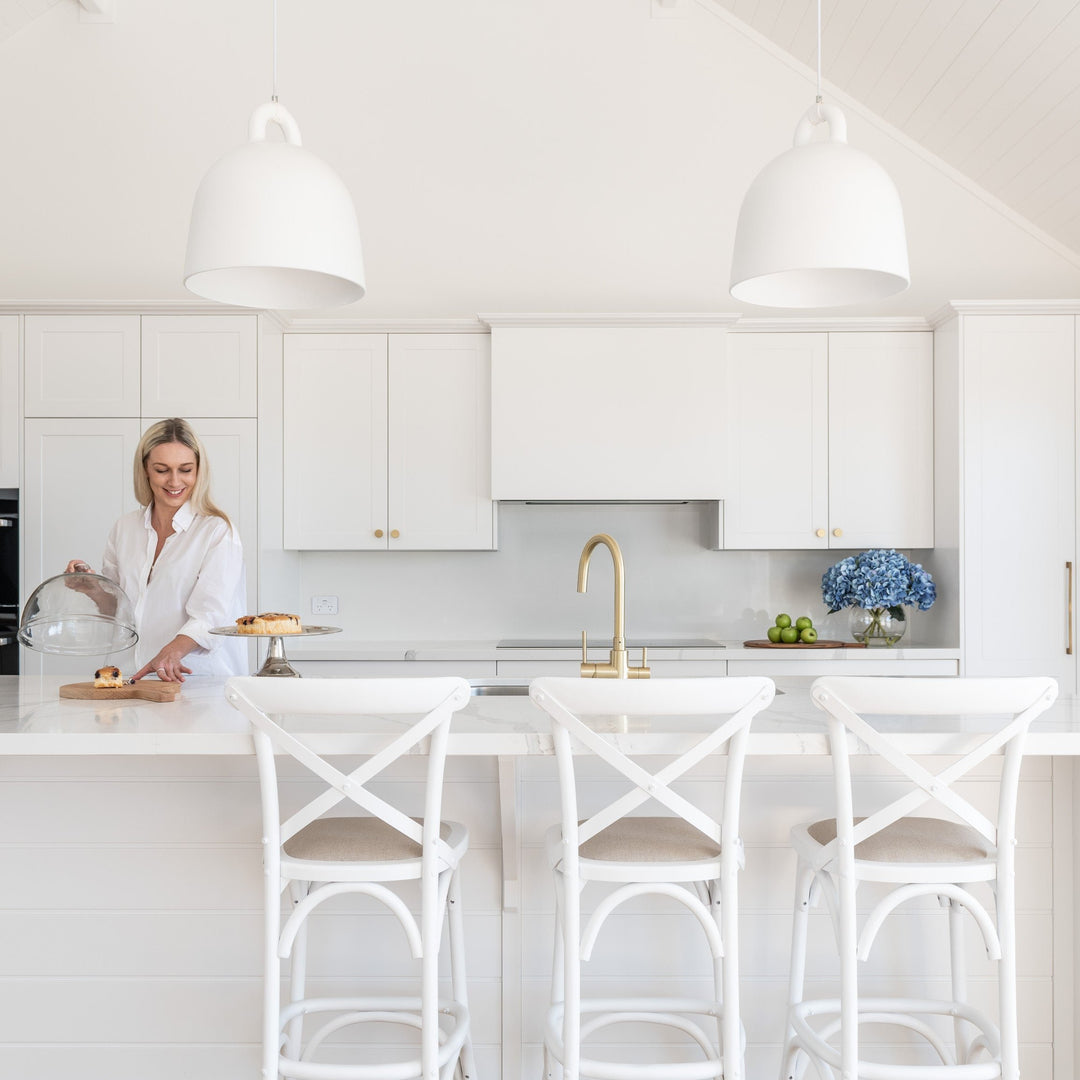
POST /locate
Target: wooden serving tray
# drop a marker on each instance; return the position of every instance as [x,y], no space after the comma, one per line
[151,690]
[821,643]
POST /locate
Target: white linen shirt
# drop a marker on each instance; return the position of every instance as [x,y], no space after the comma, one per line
[196,584]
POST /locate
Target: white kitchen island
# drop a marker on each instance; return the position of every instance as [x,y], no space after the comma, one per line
[129,849]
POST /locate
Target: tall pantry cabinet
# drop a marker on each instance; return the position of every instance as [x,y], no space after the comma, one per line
[1007,500]
[92,385]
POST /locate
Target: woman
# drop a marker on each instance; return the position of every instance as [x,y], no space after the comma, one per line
[178,559]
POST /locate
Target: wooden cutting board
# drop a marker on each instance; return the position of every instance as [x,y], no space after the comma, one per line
[821,643]
[143,690]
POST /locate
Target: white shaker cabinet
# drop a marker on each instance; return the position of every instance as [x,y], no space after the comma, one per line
[9,401]
[82,365]
[1017,483]
[387,442]
[881,440]
[199,365]
[78,482]
[778,441]
[830,441]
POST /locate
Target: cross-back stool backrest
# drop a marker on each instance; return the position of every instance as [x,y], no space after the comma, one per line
[575,706]
[997,714]
[268,703]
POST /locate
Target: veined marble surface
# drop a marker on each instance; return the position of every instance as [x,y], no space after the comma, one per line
[35,720]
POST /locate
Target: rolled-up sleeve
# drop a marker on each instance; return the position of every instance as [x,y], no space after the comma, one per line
[219,582]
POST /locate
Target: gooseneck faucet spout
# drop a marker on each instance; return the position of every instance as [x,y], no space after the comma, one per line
[619,666]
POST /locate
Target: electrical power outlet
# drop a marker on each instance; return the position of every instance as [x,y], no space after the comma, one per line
[324,605]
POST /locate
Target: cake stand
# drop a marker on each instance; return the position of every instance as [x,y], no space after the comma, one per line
[275,663]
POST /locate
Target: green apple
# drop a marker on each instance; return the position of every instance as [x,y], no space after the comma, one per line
[808,635]
[789,635]
[803,622]
[774,633]
[783,620]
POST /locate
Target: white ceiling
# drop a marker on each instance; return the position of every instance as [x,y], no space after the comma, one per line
[540,155]
[990,86]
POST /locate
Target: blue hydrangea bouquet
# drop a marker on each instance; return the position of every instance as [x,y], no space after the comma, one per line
[877,583]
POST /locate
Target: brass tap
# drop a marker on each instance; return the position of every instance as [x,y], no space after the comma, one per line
[619,666]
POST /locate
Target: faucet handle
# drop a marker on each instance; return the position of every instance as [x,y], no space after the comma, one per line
[644,656]
[584,648]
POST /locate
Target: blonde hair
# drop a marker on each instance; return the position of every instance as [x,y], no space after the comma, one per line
[175,430]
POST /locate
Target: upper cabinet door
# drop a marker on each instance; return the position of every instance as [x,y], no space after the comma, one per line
[334,432]
[82,365]
[9,401]
[440,442]
[78,482]
[199,365]
[881,440]
[778,442]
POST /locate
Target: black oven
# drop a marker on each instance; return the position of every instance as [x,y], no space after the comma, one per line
[9,581]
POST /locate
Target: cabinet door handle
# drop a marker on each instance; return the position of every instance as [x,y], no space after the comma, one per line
[378,534]
[838,532]
[394,534]
[820,534]
[1069,599]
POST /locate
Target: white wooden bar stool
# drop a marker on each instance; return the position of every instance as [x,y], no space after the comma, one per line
[318,857]
[686,855]
[962,857]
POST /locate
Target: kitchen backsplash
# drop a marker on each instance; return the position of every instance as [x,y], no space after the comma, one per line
[676,584]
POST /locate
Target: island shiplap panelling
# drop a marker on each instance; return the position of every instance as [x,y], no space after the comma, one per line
[131,913]
[131,920]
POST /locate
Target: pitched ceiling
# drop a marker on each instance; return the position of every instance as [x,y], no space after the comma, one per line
[992,87]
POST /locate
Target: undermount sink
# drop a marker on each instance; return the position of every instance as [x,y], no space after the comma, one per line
[499,689]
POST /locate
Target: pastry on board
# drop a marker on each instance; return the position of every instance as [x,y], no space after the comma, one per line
[269,622]
[108,678]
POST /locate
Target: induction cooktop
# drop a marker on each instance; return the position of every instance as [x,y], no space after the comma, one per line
[631,643]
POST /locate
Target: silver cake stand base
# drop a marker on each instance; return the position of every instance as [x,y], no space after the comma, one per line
[276,665]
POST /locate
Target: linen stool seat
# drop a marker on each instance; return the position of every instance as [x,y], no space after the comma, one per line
[956,854]
[686,854]
[316,856]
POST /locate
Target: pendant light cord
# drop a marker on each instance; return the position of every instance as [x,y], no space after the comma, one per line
[273,95]
[819,58]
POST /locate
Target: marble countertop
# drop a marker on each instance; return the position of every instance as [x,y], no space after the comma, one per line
[34,720]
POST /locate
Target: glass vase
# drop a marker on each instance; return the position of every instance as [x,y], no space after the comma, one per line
[877,626]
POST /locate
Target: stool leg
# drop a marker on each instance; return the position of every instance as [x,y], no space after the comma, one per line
[456,925]
[271,1018]
[1005,900]
[958,972]
[297,972]
[805,896]
[430,924]
[727,899]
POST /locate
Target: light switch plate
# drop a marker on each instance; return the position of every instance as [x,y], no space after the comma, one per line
[324,605]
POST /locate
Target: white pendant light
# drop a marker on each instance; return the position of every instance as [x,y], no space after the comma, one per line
[273,226]
[822,224]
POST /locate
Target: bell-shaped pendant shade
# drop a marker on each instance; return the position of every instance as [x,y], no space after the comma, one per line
[273,226]
[821,226]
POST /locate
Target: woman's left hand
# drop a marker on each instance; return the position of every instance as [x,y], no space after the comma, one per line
[168,664]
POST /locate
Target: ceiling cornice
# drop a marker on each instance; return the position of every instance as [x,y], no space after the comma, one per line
[1003,307]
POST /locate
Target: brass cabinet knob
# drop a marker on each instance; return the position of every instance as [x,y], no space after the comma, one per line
[394,534]
[378,534]
[838,532]
[820,534]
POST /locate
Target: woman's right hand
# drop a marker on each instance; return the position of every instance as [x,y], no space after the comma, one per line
[78,566]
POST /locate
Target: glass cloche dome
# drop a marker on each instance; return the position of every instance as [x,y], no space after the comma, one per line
[79,614]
